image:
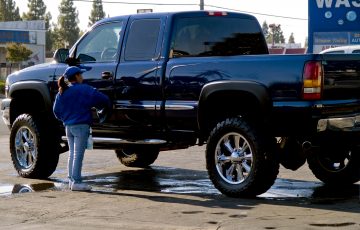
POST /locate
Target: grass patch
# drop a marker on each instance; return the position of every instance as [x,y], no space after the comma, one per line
[2,87]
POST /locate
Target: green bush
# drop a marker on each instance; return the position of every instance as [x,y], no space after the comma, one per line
[2,87]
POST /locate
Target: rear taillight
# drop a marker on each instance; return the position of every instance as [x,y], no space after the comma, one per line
[217,13]
[312,81]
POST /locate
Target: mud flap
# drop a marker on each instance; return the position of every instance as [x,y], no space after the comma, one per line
[291,153]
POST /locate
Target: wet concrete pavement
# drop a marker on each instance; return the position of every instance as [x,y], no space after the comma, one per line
[184,181]
[175,193]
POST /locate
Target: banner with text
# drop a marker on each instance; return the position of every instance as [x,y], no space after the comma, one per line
[333,23]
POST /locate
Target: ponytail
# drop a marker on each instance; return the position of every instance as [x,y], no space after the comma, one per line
[62,84]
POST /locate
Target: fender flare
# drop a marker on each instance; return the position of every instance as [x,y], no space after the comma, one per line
[38,86]
[255,89]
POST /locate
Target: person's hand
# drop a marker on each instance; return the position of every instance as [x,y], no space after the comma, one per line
[102,114]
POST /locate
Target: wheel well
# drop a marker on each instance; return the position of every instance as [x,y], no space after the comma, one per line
[26,101]
[221,105]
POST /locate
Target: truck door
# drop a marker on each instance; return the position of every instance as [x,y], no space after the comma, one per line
[99,49]
[137,83]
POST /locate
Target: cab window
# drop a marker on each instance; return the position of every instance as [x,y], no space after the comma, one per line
[142,40]
[101,44]
[217,36]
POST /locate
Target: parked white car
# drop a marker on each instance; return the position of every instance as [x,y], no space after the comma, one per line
[342,50]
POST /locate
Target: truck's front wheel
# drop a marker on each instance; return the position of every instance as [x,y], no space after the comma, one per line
[335,166]
[32,147]
[240,161]
[140,157]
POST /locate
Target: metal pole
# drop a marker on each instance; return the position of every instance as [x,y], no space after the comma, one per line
[201,4]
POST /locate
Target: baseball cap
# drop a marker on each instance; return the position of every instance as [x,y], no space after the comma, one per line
[72,70]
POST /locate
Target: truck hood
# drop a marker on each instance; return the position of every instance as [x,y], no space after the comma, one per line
[41,72]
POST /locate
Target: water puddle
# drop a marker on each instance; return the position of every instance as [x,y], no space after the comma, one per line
[183,181]
[7,190]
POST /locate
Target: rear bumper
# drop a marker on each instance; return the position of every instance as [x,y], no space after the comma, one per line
[5,110]
[346,124]
[304,118]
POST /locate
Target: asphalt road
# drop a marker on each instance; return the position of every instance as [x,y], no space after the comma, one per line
[175,193]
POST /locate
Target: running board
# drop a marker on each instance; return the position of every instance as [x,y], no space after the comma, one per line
[105,140]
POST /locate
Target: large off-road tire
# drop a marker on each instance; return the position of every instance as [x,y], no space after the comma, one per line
[33,147]
[335,166]
[140,157]
[240,160]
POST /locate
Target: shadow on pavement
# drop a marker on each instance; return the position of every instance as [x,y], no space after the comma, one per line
[165,181]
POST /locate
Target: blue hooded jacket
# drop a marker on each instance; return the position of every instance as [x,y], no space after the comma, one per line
[74,105]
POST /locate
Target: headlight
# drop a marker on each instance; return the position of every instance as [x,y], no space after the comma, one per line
[7,88]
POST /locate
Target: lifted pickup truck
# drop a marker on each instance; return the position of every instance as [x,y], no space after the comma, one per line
[191,78]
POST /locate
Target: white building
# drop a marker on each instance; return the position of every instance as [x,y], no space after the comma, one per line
[30,33]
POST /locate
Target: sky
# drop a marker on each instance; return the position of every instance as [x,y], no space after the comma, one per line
[291,15]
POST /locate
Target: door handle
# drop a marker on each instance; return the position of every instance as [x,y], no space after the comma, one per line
[106,75]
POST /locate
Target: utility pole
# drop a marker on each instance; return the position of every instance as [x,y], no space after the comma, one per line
[201,4]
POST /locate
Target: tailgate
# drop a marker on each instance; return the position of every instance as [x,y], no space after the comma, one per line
[341,76]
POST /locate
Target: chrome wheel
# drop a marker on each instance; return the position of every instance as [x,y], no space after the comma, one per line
[25,142]
[240,159]
[34,147]
[234,158]
[337,166]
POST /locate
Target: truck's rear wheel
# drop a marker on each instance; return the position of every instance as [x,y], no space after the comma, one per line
[240,161]
[140,157]
[335,166]
[32,146]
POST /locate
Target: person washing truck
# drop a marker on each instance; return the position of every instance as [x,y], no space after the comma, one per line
[73,106]
[252,110]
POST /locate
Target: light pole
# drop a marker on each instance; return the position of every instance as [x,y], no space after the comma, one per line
[201,4]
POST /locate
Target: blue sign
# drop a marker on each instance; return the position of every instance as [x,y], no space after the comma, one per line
[14,36]
[355,38]
[328,17]
[331,38]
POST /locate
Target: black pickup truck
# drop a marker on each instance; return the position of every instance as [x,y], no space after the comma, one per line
[191,78]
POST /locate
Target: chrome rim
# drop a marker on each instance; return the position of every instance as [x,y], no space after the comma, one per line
[127,153]
[335,165]
[233,158]
[25,142]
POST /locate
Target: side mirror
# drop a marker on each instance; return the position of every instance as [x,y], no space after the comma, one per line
[72,61]
[61,55]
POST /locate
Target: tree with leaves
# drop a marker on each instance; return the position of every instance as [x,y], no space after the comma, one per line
[291,38]
[97,12]
[37,11]
[266,32]
[276,34]
[16,53]
[265,29]
[66,32]
[9,11]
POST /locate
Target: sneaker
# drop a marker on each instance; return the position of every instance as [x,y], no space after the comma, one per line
[70,183]
[80,187]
